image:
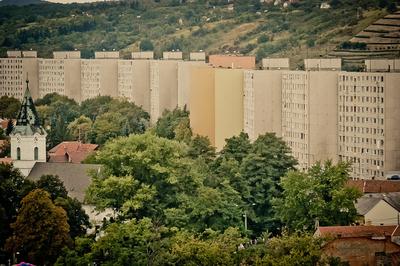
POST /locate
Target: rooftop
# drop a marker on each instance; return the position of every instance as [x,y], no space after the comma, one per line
[375,186]
[71,152]
[357,231]
[75,177]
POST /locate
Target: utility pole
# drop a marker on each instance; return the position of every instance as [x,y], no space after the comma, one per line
[245,221]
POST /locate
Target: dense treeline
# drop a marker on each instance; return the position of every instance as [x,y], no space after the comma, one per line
[176,200]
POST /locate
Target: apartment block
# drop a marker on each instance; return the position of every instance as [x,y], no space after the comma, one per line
[382,65]
[262,102]
[232,61]
[61,75]
[334,64]
[174,55]
[275,63]
[369,122]
[184,76]
[197,56]
[134,82]
[163,87]
[15,70]
[216,103]
[143,55]
[309,115]
[99,76]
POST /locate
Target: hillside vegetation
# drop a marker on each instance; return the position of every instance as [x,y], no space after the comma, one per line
[255,28]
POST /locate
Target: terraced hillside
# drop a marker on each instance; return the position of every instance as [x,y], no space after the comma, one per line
[380,39]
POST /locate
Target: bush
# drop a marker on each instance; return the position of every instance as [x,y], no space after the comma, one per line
[146,45]
[263,39]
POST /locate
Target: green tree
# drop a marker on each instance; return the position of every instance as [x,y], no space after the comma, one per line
[95,106]
[171,121]
[10,127]
[269,160]
[80,128]
[148,163]
[53,185]
[133,243]
[9,107]
[146,45]
[41,229]
[200,147]
[78,220]
[13,187]
[319,195]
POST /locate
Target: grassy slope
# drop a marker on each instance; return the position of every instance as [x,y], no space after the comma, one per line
[187,27]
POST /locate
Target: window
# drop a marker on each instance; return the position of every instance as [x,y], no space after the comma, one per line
[36,153]
[18,153]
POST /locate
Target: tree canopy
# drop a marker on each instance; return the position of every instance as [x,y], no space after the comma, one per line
[41,229]
[317,195]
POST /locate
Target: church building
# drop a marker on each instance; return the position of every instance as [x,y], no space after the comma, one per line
[28,138]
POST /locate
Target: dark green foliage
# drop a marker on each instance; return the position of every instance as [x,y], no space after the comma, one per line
[10,127]
[319,195]
[170,120]
[13,187]
[53,185]
[353,45]
[9,107]
[146,45]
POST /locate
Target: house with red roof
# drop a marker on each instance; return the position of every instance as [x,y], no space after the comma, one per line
[362,245]
[375,186]
[70,152]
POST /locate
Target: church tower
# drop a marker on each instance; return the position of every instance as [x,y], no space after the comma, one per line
[28,138]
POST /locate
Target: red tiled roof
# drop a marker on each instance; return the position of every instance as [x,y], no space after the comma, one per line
[71,151]
[375,186]
[6,160]
[4,123]
[357,231]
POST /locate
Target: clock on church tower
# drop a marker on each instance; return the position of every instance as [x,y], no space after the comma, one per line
[28,138]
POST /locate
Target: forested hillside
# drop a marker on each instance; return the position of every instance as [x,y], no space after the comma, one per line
[248,26]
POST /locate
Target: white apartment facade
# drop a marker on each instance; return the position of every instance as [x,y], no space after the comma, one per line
[369,122]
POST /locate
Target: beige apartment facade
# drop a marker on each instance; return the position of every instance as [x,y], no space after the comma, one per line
[262,98]
[369,122]
[15,70]
[216,103]
[61,75]
[184,76]
[99,76]
[134,82]
[309,115]
[163,87]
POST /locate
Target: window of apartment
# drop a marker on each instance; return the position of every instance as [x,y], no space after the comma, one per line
[18,153]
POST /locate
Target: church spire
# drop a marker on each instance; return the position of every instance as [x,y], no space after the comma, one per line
[27,114]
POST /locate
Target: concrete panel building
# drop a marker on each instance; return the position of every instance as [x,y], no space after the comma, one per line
[172,55]
[163,87]
[61,75]
[14,71]
[216,103]
[309,115]
[134,82]
[276,63]
[382,65]
[99,76]
[197,56]
[184,76]
[369,123]
[323,64]
[232,61]
[143,55]
[262,102]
